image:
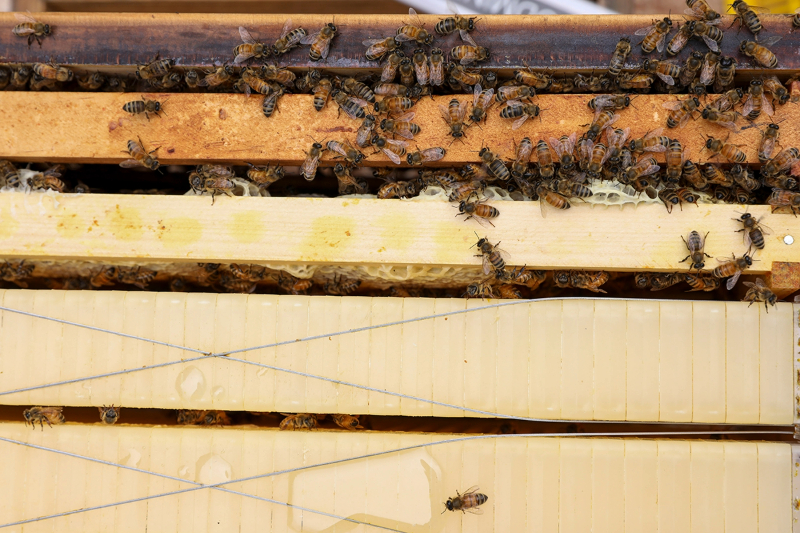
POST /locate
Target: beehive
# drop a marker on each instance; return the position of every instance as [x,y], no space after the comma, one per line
[639,368]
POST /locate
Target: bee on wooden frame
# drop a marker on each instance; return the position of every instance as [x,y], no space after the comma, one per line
[298,422]
[348,422]
[320,42]
[109,414]
[759,292]
[31,28]
[51,415]
[695,244]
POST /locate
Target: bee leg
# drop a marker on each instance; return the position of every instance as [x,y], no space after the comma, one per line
[147,116]
[685,258]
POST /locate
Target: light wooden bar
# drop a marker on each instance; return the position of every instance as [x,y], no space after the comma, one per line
[652,361]
[93,128]
[353,231]
[564,485]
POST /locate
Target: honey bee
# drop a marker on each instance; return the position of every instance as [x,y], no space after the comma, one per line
[5,79]
[289,39]
[725,70]
[406,70]
[759,292]
[478,210]
[464,25]
[551,198]
[249,273]
[463,191]
[391,89]
[643,167]
[732,268]
[320,42]
[538,80]
[545,160]
[428,155]
[254,83]
[522,276]
[250,48]
[710,34]
[265,176]
[397,189]
[347,422]
[291,284]
[467,54]
[663,280]
[454,115]
[358,90]
[53,72]
[753,230]
[508,292]
[479,290]
[48,180]
[90,82]
[783,198]
[519,168]
[421,68]
[20,76]
[665,70]
[494,165]
[481,102]
[725,119]
[191,417]
[602,120]
[31,28]
[779,182]
[377,48]
[309,167]
[731,152]
[564,148]
[393,105]
[392,63]
[492,255]
[785,159]
[346,151]
[51,415]
[653,141]
[678,42]
[634,81]
[364,133]
[308,80]
[109,415]
[728,100]
[715,176]
[157,68]
[513,92]
[746,16]
[609,101]
[655,35]
[774,86]
[192,78]
[699,282]
[105,277]
[695,244]
[436,67]
[761,54]
[675,158]
[519,111]
[459,75]
[690,69]
[38,83]
[678,196]
[681,111]
[581,279]
[619,56]
[353,107]
[642,280]
[216,77]
[756,101]
[140,157]
[414,31]
[322,91]
[347,183]
[143,106]
[341,287]
[401,125]
[138,276]
[701,10]
[280,75]
[213,183]
[743,178]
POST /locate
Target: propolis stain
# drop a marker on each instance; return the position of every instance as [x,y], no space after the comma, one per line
[327,237]
[247,226]
[179,232]
[125,223]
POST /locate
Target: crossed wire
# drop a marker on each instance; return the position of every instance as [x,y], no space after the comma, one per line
[227,355]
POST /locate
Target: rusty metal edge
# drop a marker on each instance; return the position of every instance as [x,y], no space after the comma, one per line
[557,42]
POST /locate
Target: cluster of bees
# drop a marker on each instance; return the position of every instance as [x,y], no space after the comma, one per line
[54,416]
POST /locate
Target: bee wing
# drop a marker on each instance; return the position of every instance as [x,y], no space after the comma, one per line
[391,155]
[462,110]
[711,43]
[768,147]
[574,137]
[661,41]
[759,283]
[412,15]
[707,74]
[370,42]
[654,133]
[475,510]
[666,79]
[556,144]
[245,35]
[487,268]
[684,120]
[432,154]
[287,27]
[309,167]
[730,125]
[487,99]
[310,38]
[476,93]
[644,31]
[467,38]
[766,105]
[240,58]
[731,283]
[350,113]
[402,37]
[445,114]
[673,105]
[519,122]
[772,40]
[422,73]
[652,169]
[130,163]
[325,48]
[403,144]
[748,105]
[24,17]
[542,208]
[408,117]
[359,101]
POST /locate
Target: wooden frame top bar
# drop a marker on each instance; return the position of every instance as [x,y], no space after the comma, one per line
[561,42]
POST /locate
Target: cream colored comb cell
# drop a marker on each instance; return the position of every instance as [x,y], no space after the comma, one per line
[574,359]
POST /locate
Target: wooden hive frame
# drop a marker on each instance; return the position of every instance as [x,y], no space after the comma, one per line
[715,362]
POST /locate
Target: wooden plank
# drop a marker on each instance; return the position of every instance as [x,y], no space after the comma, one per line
[351,231]
[570,393]
[197,40]
[224,6]
[93,128]
[404,496]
